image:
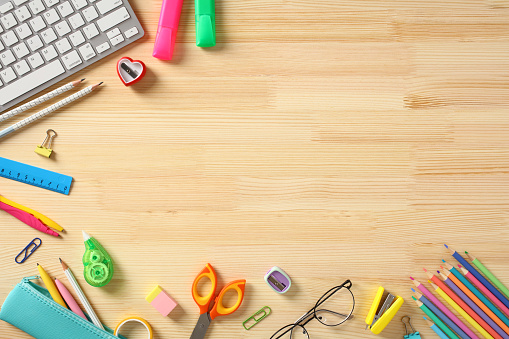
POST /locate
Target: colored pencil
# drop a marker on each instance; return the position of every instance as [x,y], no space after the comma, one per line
[464,314]
[440,315]
[50,286]
[476,309]
[73,305]
[479,276]
[484,290]
[444,309]
[463,305]
[476,300]
[436,329]
[477,293]
[433,317]
[488,273]
[81,295]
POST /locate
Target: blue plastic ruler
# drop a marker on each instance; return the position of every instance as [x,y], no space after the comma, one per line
[35,176]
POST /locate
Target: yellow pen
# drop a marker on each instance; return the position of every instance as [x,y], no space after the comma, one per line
[45,220]
[50,285]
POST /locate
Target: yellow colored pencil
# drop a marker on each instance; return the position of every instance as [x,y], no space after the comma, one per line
[50,285]
[45,220]
[464,314]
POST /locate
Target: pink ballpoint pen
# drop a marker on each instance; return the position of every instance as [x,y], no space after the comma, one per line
[28,219]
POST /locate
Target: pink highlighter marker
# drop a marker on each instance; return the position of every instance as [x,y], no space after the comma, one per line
[73,305]
[167,29]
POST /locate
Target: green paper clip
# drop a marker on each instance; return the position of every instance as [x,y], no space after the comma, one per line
[264,314]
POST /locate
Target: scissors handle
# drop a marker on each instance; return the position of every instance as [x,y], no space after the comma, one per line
[218,308]
[204,302]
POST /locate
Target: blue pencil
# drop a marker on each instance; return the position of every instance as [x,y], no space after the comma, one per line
[441,315]
[479,276]
[435,328]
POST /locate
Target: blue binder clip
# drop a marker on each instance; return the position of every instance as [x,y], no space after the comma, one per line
[414,334]
[28,250]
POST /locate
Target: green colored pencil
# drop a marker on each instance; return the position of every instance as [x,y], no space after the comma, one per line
[488,274]
[435,319]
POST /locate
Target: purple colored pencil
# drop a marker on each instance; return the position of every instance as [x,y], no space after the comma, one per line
[441,315]
[444,309]
[474,306]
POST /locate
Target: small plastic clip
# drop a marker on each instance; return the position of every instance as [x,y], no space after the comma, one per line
[414,334]
[43,150]
[27,251]
[257,317]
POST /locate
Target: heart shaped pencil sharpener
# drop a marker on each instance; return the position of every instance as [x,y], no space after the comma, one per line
[130,71]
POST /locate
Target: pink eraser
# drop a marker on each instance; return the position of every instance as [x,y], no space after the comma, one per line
[161,301]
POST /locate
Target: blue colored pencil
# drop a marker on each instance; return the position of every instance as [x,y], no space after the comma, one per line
[435,328]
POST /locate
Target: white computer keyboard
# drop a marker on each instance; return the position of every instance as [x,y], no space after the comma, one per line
[45,41]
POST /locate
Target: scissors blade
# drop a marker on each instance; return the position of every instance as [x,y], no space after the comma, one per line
[201,326]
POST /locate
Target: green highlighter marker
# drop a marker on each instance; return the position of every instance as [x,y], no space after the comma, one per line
[205,19]
[98,266]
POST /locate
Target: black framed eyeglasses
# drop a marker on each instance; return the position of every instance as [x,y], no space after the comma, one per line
[332,309]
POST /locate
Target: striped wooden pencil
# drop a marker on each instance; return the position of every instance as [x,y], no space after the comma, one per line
[436,329]
[487,273]
[462,304]
[444,309]
[458,309]
[479,276]
[477,293]
[448,275]
[477,310]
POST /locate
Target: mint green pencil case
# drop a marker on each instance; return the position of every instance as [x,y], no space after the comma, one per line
[30,308]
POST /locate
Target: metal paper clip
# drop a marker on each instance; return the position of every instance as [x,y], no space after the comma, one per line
[262,313]
[43,150]
[414,334]
[27,251]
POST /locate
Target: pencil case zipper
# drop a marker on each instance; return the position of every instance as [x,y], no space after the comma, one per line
[27,285]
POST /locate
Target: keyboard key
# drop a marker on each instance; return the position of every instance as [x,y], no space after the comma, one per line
[31,81]
[37,23]
[76,21]
[103,47]
[51,16]
[65,9]
[36,6]
[87,52]
[90,31]
[8,21]
[1,46]
[77,38]
[6,7]
[23,31]
[113,19]
[116,40]
[1,29]
[19,2]
[50,3]
[21,67]
[113,33]
[131,32]
[48,35]
[34,43]
[71,60]
[8,75]
[9,38]
[104,6]
[35,60]
[63,45]
[21,50]
[62,28]
[79,4]
[22,13]
[7,57]
[90,13]
[49,53]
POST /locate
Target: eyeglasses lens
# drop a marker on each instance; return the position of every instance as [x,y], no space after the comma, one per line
[335,309]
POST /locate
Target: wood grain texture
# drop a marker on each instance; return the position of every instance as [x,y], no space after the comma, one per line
[336,139]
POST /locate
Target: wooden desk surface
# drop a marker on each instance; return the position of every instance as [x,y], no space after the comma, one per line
[336,139]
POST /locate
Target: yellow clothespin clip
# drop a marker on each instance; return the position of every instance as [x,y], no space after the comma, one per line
[43,150]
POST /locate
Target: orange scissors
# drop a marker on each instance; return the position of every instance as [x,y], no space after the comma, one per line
[206,315]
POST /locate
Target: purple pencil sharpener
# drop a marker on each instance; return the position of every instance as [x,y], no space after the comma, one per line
[278,280]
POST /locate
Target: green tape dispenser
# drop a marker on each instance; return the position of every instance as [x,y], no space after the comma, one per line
[98,266]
